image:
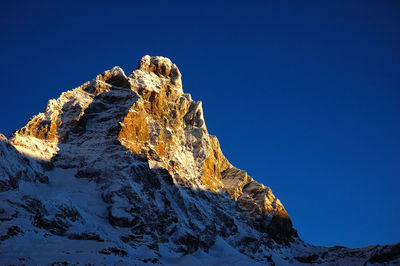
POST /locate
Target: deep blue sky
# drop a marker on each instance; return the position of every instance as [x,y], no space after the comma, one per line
[304,95]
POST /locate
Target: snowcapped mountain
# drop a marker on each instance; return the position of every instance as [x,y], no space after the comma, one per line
[123,170]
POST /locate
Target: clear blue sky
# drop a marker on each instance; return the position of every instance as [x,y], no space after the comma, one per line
[304,95]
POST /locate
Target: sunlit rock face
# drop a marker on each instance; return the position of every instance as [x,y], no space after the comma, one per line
[167,126]
[150,115]
[15,168]
[127,163]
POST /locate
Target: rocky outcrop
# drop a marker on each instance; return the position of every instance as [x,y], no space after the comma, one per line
[15,168]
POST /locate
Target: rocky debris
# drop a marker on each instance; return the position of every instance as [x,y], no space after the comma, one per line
[127,163]
[380,255]
[55,226]
[386,254]
[113,250]
[308,259]
[11,232]
[5,215]
[151,260]
[85,236]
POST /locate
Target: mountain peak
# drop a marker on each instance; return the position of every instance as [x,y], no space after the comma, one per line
[147,114]
[162,67]
[127,161]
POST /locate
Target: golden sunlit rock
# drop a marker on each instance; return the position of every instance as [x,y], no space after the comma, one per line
[163,125]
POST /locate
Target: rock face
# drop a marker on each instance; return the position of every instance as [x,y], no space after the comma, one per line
[15,168]
[127,163]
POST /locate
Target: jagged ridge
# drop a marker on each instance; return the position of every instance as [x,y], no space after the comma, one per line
[157,120]
[157,178]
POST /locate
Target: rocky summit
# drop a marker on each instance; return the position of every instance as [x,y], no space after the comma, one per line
[123,170]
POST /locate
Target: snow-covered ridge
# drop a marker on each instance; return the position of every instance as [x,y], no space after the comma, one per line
[125,166]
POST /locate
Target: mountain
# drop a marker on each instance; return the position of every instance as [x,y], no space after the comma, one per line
[123,170]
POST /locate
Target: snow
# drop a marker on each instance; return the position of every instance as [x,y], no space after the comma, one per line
[221,253]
